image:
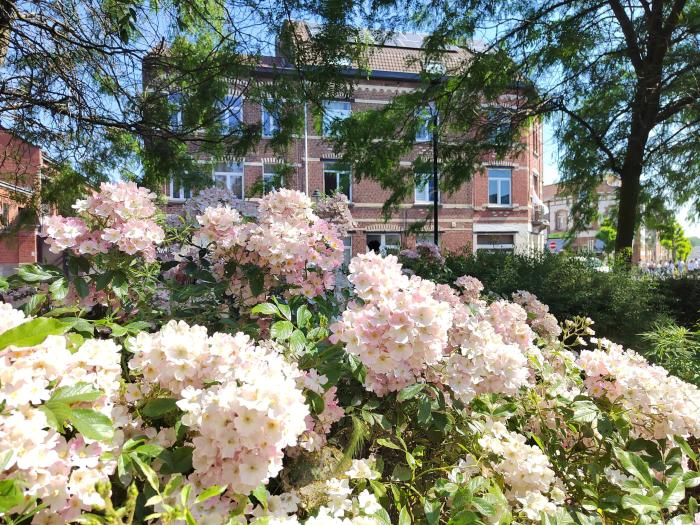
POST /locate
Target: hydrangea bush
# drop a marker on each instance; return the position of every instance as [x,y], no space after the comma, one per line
[250,390]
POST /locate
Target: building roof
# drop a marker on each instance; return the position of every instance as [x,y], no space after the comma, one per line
[552,191]
[396,52]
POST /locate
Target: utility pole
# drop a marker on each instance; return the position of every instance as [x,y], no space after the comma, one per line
[435,175]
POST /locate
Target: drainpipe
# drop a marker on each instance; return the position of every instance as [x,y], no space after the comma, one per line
[306,150]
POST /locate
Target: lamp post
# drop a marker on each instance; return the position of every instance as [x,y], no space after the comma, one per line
[435,175]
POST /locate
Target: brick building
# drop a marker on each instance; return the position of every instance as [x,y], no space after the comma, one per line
[500,208]
[646,246]
[22,166]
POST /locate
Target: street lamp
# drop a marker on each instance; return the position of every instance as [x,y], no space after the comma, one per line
[435,175]
[316,196]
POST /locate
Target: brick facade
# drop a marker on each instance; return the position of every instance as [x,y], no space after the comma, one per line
[20,176]
[466,219]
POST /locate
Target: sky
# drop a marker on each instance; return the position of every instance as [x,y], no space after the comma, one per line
[551,174]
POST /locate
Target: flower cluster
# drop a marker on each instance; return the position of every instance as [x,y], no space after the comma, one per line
[319,425]
[335,209]
[494,367]
[120,215]
[288,242]
[242,424]
[509,320]
[470,287]
[399,330]
[61,472]
[525,469]
[659,405]
[424,250]
[540,320]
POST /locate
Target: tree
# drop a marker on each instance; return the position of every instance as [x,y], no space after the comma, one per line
[607,233]
[673,239]
[619,81]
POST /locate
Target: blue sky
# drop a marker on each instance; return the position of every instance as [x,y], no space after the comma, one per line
[551,174]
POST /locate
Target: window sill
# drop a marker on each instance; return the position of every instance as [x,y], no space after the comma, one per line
[500,206]
[426,203]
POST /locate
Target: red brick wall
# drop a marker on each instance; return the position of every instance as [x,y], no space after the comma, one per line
[458,212]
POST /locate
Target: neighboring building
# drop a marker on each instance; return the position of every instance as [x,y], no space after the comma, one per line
[500,208]
[21,169]
[646,246]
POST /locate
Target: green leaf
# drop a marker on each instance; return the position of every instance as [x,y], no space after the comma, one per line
[34,303]
[32,332]
[388,444]
[10,495]
[636,466]
[211,492]
[410,392]
[585,411]
[483,507]
[102,280]
[80,392]
[159,407]
[640,504]
[177,461]
[59,289]
[432,508]
[33,273]
[81,287]
[281,330]
[297,341]
[5,458]
[260,494]
[56,413]
[404,517]
[148,472]
[674,492]
[149,450]
[303,316]
[316,401]
[265,308]
[401,473]
[92,424]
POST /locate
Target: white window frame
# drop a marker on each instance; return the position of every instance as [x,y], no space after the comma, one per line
[347,249]
[268,116]
[334,110]
[176,122]
[230,175]
[328,168]
[425,116]
[427,238]
[499,181]
[181,191]
[268,174]
[563,215]
[383,246]
[501,246]
[228,105]
[428,177]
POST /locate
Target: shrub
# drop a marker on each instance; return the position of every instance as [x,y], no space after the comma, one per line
[622,303]
[681,298]
[413,403]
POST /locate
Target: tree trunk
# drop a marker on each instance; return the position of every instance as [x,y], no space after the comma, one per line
[627,211]
[7,8]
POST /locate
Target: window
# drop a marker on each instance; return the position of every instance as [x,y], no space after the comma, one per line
[425,117]
[495,241]
[384,242]
[424,188]
[426,238]
[4,215]
[229,175]
[498,124]
[179,189]
[232,114]
[271,179]
[336,179]
[499,185]
[175,102]
[560,220]
[334,110]
[270,122]
[347,250]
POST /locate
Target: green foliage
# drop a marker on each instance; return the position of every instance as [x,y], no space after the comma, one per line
[621,303]
[676,348]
